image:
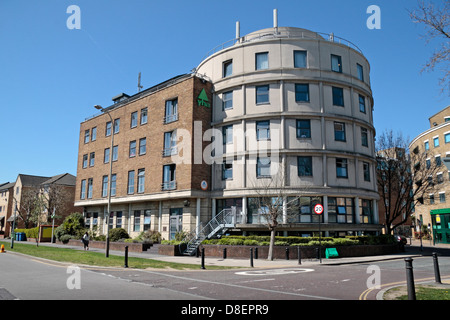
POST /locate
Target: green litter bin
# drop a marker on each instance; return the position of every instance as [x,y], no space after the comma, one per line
[331,253]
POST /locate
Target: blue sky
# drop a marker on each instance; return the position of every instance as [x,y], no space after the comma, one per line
[51,76]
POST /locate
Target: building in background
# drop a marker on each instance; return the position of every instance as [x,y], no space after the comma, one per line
[434,213]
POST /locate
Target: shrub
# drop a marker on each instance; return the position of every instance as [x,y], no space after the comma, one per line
[118,233]
[65,238]
[74,225]
[251,242]
[281,243]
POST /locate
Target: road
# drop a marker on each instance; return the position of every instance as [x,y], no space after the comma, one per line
[23,277]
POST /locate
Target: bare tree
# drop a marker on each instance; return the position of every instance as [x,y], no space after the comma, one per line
[403,178]
[437,22]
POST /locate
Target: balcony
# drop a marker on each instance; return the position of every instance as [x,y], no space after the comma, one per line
[169,185]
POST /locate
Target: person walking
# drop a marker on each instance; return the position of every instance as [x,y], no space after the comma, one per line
[86,241]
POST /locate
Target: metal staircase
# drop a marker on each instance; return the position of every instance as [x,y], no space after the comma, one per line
[220,223]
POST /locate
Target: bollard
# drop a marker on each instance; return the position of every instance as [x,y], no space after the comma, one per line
[224,253]
[410,279]
[299,255]
[126,257]
[3,249]
[256,253]
[203,258]
[287,253]
[437,274]
[251,257]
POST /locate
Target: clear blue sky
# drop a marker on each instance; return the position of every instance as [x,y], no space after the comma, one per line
[51,77]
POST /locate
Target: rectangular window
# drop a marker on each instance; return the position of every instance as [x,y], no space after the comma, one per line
[360,71]
[302,92]
[338,96]
[227,100]
[263,130]
[116,126]
[108,129]
[113,184]
[134,119]
[300,59]
[304,165]
[137,220]
[83,190]
[263,167]
[94,134]
[119,219]
[144,113]
[170,143]
[227,68]
[92,159]
[227,171]
[130,182]
[90,182]
[147,220]
[227,134]
[106,155]
[431,198]
[438,161]
[262,60]
[341,168]
[336,63]
[132,152]
[447,138]
[427,145]
[141,180]
[142,146]
[303,128]
[105,186]
[86,135]
[436,142]
[366,170]
[262,94]
[339,131]
[364,137]
[85,161]
[362,104]
[442,197]
[171,113]
[169,177]
[115,153]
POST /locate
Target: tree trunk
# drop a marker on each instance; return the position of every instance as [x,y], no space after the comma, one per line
[272,243]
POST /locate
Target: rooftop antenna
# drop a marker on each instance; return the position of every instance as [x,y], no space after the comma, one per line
[275,20]
[139,83]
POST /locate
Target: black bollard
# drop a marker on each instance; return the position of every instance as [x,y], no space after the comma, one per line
[299,255]
[437,274]
[410,279]
[224,253]
[251,257]
[126,257]
[256,253]
[287,253]
[203,258]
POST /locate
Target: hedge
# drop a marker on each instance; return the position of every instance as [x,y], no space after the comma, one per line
[30,233]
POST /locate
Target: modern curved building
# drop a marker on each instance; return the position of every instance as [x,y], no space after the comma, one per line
[295,105]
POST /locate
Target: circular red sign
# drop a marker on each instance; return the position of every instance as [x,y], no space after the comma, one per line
[318,208]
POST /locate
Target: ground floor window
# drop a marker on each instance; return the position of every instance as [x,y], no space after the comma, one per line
[341,210]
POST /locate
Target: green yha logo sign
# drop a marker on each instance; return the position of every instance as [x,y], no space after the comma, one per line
[203,100]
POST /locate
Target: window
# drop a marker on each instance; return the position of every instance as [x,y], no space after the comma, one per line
[141,180]
[92,159]
[147,220]
[106,155]
[227,134]
[137,220]
[263,130]
[442,197]
[105,186]
[130,182]
[366,170]
[170,143]
[304,165]
[338,97]
[83,190]
[447,138]
[171,113]
[339,131]
[94,134]
[142,146]
[227,171]
[427,145]
[262,94]
[362,104]
[134,119]
[85,160]
[440,177]
[116,126]
[340,210]
[336,63]
[108,129]
[436,142]
[365,211]
[169,177]
[227,68]
[364,137]
[303,129]
[227,100]
[90,182]
[119,219]
[262,61]
[86,135]
[115,153]
[341,168]
[438,161]
[431,198]
[132,152]
[263,167]
[360,71]
[300,59]
[302,92]
[113,184]
[306,210]
[144,113]
[428,163]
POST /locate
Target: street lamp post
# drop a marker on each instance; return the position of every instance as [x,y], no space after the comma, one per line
[109,178]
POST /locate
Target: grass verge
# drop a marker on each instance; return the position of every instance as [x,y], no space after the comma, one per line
[82,257]
[423,292]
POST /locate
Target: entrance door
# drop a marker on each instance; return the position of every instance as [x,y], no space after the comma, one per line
[176,222]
